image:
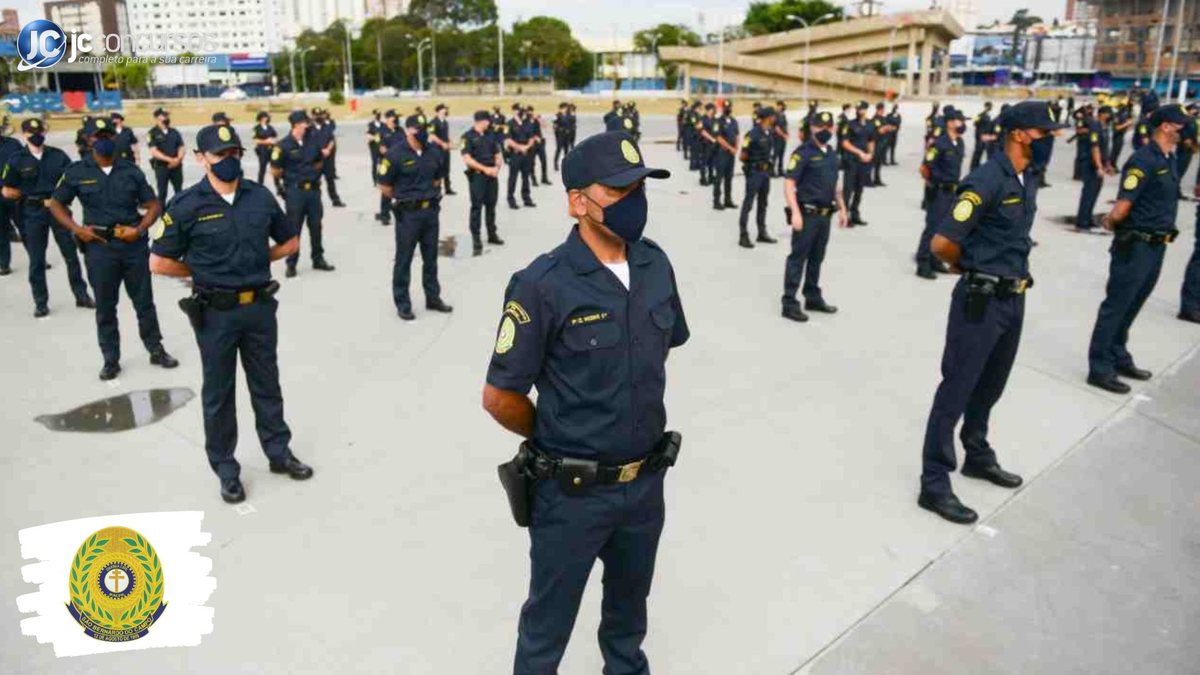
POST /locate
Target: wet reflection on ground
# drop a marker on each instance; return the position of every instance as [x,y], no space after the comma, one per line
[120,413]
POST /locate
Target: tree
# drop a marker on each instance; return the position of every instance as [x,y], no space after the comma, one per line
[550,44]
[1021,21]
[666,35]
[772,17]
[127,74]
[454,12]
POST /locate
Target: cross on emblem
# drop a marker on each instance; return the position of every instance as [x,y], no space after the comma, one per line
[116,577]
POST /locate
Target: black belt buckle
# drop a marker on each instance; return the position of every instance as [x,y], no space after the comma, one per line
[576,476]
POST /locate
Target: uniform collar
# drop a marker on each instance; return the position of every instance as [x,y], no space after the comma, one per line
[583,261]
[205,188]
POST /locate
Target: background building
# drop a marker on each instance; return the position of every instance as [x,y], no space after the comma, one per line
[95,17]
[1130,33]
[233,26]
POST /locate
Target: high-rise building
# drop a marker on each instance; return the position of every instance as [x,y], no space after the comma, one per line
[95,17]
[205,27]
[1132,30]
[317,15]
[10,25]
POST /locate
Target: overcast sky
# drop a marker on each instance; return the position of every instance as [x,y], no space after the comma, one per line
[603,18]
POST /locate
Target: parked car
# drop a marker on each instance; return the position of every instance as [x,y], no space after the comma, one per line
[233,94]
[384,92]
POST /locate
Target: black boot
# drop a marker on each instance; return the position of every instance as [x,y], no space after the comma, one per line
[744,240]
[765,238]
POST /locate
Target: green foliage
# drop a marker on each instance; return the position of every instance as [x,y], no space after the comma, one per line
[455,12]
[1021,21]
[771,17]
[127,74]
[336,97]
[666,35]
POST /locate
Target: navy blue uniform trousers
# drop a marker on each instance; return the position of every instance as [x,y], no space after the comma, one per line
[619,524]
[855,175]
[110,265]
[519,165]
[6,228]
[252,332]
[976,362]
[808,252]
[37,226]
[1133,270]
[303,207]
[758,188]
[722,176]
[1190,294]
[164,176]
[936,211]
[415,227]
[484,192]
[1092,182]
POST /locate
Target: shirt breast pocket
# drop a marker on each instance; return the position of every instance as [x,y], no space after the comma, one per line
[664,317]
[214,238]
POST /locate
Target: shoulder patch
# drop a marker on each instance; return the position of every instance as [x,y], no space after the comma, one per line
[384,165]
[972,197]
[516,311]
[276,153]
[963,209]
[930,154]
[793,161]
[1131,181]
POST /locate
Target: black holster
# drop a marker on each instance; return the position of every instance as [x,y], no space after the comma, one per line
[979,294]
[193,306]
[517,480]
[667,452]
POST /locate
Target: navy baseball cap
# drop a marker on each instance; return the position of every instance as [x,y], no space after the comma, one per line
[414,122]
[1174,113]
[32,125]
[1029,115]
[481,115]
[116,116]
[217,137]
[297,116]
[160,111]
[219,117]
[824,119]
[98,125]
[952,113]
[765,112]
[1149,102]
[261,114]
[611,158]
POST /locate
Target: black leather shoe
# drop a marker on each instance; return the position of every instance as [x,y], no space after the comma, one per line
[40,311]
[232,491]
[926,273]
[110,370]
[450,192]
[1194,317]
[880,183]
[856,220]
[948,507]
[476,250]
[822,306]
[765,238]
[744,241]
[1134,373]
[512,204]
[993,474]
[794,314]
[85,302]
[718,207]
[406,314]
[323,265]
[730,205]
[1109,383]
[495,240]
[291,271]
[293,467]
[438,306]
[339,204]
[528,203]
[5,271]
[160,357]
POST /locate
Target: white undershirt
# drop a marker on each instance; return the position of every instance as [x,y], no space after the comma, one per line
[229,197]
[35,151]
[106,169]
[621,270]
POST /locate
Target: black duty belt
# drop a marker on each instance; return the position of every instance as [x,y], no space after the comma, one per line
[945,187]
[816,209]
[759,166]
[545,466]
[226,299]
[996,285]
[307,185]
[1147,237]
[416,204]
[34,202]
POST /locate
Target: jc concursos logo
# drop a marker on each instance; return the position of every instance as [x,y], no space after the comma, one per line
[40,44]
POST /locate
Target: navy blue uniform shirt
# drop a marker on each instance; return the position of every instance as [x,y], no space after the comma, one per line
[1150,180]
[781,121]
[1141,131]
[1095,135]
[815,170]
[263,131]
[124,141]
[992,218]
[595,351]
[757,145]
[727,126]
[108,199]
[860,134]
[483,148]
[34,177]
[983,124]
[321,134]
[225,245]
[8,147]
[301,162]
[944,159]
[519,131]
[411,175]
[168,142]
[387,136]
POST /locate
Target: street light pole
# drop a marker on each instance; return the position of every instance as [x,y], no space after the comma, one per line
[1162,29]
[808,41]
[349,63]
[379,53]
[500,58]
[1175,50]
[291,70]
[421,63]
[303,70]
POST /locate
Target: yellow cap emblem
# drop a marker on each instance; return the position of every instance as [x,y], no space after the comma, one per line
[224,134]
[628,123]
[630,152]
[101,124]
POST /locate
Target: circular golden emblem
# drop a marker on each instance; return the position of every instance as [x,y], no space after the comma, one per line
[963,210]
[224,134]
[1131,182]
[116,585]
[101,124]
[507,336]
[628,123]
[630,152]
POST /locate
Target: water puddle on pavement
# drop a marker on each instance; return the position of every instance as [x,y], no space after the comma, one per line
[120,413]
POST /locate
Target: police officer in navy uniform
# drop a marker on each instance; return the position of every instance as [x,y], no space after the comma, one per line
[83,144]
[1122,121]
[265,137]
[387,132]
[590,324]
[725,149]
[756,151]
[8,211]
[439,135]
[29,176]
[893,120]
[484,157]
[520,145]
[324,132]
[113,237]
[987,238]
[1189,294]
[218,232]
[1142,130]
[408,176]
[780,139]
[166,154]
[985,135]
[372,134]
[298,160]
[614,119]
[810,187]
[222,119]
[941,170]
[883,133]
[858,148]
[1143,222]
[1093,166]
[124,138]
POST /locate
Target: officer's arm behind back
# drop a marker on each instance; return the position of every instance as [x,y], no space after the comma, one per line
[519,352]
[973,199]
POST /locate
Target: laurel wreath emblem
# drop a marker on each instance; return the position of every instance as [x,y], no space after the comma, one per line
[151,581]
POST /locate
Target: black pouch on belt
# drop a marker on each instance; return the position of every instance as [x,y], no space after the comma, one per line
[576,476]
[979,294]
[1123,244]
[518,484]
[667,452]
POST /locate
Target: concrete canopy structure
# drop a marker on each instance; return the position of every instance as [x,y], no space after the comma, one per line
[776,62]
